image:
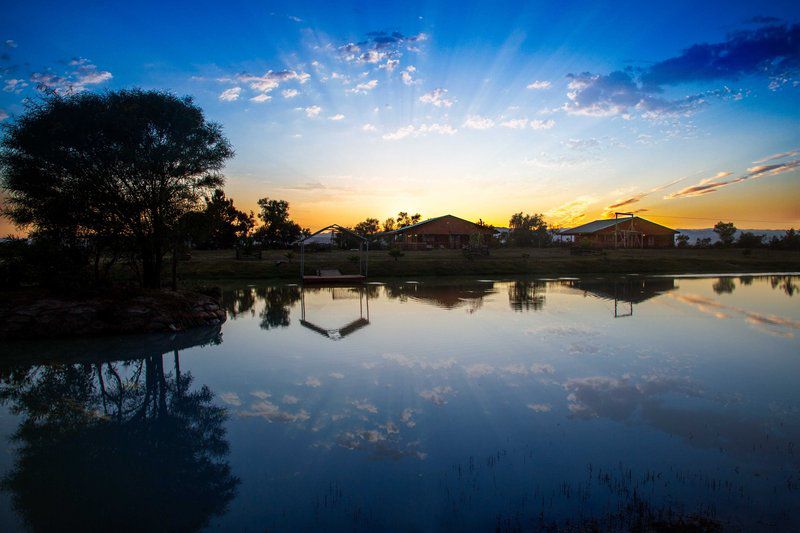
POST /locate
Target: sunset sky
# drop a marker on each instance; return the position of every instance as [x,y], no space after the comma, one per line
[686,112]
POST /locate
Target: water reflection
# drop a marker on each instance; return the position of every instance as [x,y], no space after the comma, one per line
[341,293]
[110,443]
[526,295]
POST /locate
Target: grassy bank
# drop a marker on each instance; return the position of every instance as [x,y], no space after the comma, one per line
[221,264]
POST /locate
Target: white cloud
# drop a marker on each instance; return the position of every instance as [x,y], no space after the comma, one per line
[271,79]
[542,124]
[369,127]
[230,95]
[312,111]
[390,65]
[261,98]
[477,122]
[522,123]
[515,124]
[336,117]
[11,43]
[76,80]
[538,85]
[410,130]
[540,407]
[3,115]
[364,88]
[407,77]
[289,93]
[437,97]
[14,85]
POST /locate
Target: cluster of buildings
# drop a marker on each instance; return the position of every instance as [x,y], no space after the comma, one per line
[449,231]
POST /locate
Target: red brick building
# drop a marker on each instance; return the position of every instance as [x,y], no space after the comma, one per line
[445,231]
[633,232]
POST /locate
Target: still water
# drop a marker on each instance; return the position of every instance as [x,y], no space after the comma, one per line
[420,405]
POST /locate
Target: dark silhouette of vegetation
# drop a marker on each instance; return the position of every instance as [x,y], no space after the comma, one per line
[749,240]
[396,253]
[219,225]
[278,230]
[529,230]
[527,295]
[278,302]
[404,219]
[726,231]
[109,446]
[368,227]
[682,241]
[100,171]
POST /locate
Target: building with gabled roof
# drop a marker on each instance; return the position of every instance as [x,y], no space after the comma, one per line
[446,231]
[629,232]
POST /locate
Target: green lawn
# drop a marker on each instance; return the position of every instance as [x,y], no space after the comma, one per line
[222,264]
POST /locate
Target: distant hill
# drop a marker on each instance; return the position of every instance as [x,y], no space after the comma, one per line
[695,234]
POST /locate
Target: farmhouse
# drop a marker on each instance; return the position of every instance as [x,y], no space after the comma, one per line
[446,231]
[630,232]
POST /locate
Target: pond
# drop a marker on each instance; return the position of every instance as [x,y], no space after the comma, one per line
[421,405]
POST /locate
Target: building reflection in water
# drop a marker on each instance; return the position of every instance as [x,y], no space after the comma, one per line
[338,293]
[624,292]
[111,442]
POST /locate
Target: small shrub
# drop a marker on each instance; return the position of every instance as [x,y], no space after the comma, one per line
[354,259]
[396,253]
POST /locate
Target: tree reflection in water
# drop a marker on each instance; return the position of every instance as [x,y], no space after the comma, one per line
[115,445]
[526,295]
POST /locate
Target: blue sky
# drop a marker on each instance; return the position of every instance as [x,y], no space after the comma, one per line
[674,109]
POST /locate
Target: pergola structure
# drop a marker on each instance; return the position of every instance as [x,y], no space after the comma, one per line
[331,275]
[630,237]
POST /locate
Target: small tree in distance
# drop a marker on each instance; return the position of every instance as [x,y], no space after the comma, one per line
[726,232]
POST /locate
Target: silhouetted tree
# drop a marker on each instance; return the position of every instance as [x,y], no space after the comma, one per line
[726,232]
[527,230]
[219,224]
[682,240]
[749,240]
[389,224]
[368,227]
[403,219]
[278,230]
[102,167]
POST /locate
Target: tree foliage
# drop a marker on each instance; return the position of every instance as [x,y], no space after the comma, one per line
[278,230]
[726,231]
[121,166]
[219,224]
[368,227]
[527,230]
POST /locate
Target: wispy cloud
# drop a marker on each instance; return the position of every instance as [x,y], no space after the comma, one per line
[477,122]
[635,198]
[570,213]
[337,117]
[364,88]
[408,75]
[719,181]
[230,95]
[312,111]
[436,97]
[539,85]
[82,74]
[289,93]
[416,131]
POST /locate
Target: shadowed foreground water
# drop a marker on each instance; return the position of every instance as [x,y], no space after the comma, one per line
[470,404]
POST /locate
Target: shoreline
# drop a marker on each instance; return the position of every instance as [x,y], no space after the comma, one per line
[33,314]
